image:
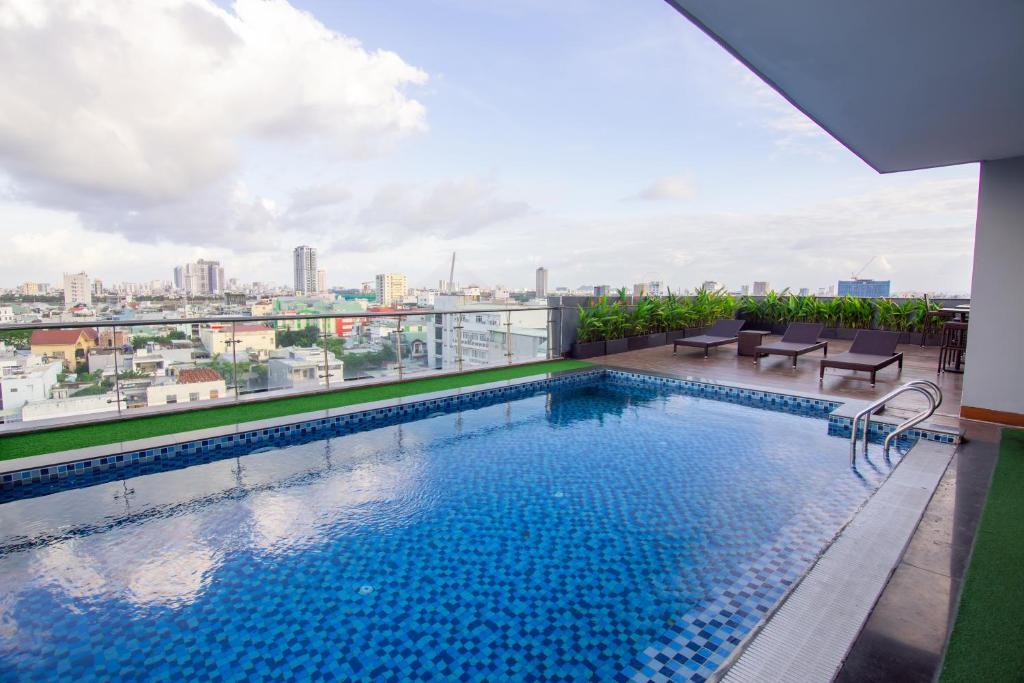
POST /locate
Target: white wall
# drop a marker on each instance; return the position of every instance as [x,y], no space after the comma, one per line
[994,377]
[158,394]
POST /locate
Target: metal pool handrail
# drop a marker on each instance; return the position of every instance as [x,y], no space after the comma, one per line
[930,390]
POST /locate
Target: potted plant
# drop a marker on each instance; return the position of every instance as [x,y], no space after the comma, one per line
[827,313]
[676,317]
[590,332]
[615,329]
[639,325]
[895,317]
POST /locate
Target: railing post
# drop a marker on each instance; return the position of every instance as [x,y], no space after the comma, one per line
[398,347]
[458,341]
[508,336]
[550,331]
[327,363]
[234,359]
[117,379]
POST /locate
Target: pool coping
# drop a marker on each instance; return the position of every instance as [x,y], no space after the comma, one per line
[809,633]
[35,467]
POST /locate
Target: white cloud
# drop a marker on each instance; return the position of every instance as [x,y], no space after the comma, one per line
[672,187]
[317,197]
[450,208]
[120,109]
[793,130]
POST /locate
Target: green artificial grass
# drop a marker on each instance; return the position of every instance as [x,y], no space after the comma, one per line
[988,638]
[22,445]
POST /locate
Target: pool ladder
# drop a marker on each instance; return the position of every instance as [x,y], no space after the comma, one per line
[930,390]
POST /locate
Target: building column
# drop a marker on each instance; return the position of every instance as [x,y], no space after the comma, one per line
[994,378]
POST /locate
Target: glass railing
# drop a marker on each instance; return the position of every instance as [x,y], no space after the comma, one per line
[53,376]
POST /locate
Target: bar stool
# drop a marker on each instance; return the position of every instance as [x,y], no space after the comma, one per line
[954,346]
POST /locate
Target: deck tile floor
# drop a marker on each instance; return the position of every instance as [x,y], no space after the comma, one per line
[777,372]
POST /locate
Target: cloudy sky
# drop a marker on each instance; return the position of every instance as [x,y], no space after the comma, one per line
[613,143]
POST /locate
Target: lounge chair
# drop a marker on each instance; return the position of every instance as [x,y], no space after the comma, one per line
[722,332]
[871,351]
[799,338]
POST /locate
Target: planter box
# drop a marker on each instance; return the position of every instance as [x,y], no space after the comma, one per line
[672,335]
[588,349]
[656,339]
[839,333]
[638,342]
[616,346]
[776,328]
[694,331]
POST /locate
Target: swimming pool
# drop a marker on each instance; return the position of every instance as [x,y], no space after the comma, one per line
[607,529]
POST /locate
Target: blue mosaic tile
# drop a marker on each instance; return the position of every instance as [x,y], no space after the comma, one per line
[603,530]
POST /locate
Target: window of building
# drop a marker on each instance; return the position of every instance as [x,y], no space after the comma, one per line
[193,396]
[172,398]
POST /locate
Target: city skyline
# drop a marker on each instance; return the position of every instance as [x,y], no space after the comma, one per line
[599,168]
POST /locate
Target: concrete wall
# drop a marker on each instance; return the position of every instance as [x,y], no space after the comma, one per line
[994,378]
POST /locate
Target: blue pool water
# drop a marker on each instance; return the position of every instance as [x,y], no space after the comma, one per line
[603,532]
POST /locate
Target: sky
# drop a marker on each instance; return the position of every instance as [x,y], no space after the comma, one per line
[612,143]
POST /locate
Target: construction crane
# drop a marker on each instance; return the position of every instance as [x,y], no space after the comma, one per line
[856,276]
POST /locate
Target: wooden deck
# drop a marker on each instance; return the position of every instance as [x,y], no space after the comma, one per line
[778,373]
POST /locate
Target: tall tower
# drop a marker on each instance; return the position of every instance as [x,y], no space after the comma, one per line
[77,290]
[305,269]
[391,288]
[542,282]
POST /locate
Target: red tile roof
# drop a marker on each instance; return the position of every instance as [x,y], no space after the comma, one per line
[198,375]
[61,337]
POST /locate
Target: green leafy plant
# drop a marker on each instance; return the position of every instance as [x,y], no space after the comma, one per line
[892,315]
[676,313]
[920,318]
[856,312]
[640,319]
[591,324]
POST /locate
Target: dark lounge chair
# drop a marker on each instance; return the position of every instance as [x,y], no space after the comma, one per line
[799,338]
[722,332]
[871,351]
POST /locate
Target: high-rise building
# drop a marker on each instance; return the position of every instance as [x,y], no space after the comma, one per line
[30,288]
[541,289]
[761,288]
[744,290]
[391,288]
[321,281]
[305,270]
[602,290]
[77,290]
[711,285]
[97,287]
[640,289]
[865,288]
[202,278]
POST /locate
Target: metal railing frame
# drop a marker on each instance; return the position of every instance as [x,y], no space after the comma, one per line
[232,322]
